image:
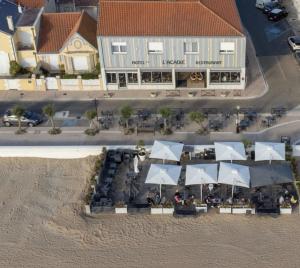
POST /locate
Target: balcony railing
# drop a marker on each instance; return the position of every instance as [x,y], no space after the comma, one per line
[21,46]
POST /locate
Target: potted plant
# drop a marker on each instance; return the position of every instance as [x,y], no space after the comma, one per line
[156,209]
[121,208]
[141,150]
[168,208]
[286,208]
[49,111]
[198,118]
[200,206]
[165,113]
[225,208]
[242,209]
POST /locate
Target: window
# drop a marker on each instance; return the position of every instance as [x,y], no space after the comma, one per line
[155,47]
[225,77]
[111,78]
[190,47]
[132,78]
[156,77]
[119,47]
[227,48]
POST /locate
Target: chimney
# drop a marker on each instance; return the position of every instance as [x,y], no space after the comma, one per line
[20,9]
[10,23]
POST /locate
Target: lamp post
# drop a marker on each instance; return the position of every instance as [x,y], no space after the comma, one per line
[237,122]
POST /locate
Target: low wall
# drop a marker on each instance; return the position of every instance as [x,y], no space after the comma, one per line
[57,152]
[50,83]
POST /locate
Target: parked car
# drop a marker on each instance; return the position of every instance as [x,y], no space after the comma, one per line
[277,14]
[270,6]
[297,56]
[29,119]
[262,3]
[294,42]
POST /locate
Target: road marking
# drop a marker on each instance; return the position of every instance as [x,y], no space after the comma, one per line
[280,68]
[270,128]
[62,114]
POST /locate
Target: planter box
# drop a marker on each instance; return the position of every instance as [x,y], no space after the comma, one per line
[242,210]
[225,210]
[121,210]
[168,210]
[202,209]
[156,211]
[285,210]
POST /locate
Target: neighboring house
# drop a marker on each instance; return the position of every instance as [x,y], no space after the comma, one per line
[171,44]
[90,6]
[48,5]
[67,42]
[26,37]
[9,15]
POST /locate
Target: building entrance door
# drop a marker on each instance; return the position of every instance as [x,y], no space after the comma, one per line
[122,80]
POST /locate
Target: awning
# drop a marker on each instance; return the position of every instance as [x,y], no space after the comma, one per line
[230,151]
[163,174]
[269,151]
[166,150]
[233,174]
[201,174]
[271,174]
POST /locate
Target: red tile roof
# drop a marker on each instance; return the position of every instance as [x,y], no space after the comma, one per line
[57,28]
[169,18]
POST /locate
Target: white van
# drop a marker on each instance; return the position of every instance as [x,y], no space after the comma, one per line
[261,3]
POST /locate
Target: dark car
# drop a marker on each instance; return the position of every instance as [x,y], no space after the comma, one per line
[277,14]
[29,119]
[268,7]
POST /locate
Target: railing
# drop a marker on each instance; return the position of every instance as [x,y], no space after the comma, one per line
[21,46]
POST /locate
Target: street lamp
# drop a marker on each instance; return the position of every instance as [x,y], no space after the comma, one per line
[237,122]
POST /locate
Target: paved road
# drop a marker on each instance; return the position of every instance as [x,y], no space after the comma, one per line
[279,67]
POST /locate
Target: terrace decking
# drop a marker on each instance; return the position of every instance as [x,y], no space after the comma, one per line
[119,183]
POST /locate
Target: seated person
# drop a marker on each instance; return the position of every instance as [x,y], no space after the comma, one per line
[208,200]
[177,197]
[281,200]
[149,198]
[229,200]
[293,200]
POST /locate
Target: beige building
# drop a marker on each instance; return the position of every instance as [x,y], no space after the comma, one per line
[67,42]
[57,42]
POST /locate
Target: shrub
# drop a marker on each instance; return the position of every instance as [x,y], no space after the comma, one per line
[88,76]
[54,131]
[14,68]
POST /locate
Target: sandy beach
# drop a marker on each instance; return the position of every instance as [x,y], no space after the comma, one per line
[41,225]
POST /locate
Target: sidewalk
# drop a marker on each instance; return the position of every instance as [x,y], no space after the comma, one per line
[256,87]
[293,7]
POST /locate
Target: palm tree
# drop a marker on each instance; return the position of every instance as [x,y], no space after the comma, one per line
[165,114]
[126,112]
[18,111]
[49,111]
[197,117]
[91,115]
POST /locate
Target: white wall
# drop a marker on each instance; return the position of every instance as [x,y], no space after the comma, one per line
[58,152]
[68,152]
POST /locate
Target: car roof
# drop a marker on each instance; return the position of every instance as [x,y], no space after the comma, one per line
[276,10]
[295,38]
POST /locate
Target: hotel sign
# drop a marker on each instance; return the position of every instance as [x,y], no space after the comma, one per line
[173,62]
[178,62]
[208,62]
